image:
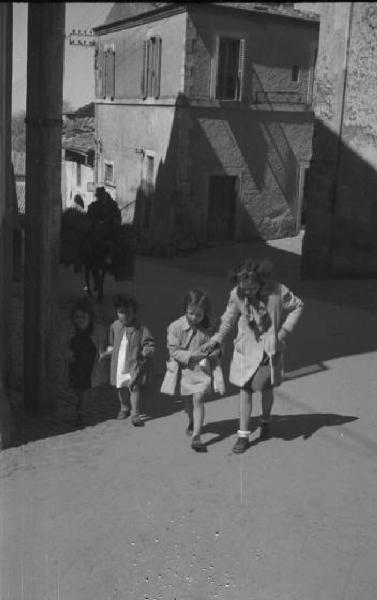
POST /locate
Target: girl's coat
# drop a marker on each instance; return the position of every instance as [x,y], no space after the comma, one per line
[283,310]
[182,342]
[141,346]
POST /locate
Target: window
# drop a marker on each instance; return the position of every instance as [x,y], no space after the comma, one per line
[150,170]
[151,75]
[222,199]
[78,174]
[230,69]
[148,186]
[105,72]
[109,172]
[295,76]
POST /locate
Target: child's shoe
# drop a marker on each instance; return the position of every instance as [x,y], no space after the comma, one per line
[137,422]
[265,431]
[198,445]
[123,414]
[80,421]
[241,445]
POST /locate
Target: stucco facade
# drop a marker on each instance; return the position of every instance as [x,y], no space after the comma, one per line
[341,238]
[261,141]
[73,184]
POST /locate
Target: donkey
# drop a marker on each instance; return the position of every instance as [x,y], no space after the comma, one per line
[82,246]
[97,257]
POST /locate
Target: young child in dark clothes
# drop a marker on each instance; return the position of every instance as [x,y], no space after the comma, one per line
[82,349]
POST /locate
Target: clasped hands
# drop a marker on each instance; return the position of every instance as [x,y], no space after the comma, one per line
[207,350]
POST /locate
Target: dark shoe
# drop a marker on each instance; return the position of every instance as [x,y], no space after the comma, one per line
[123,414]
[241,445]
[80,422]
[137,422]
[198,445]
[265,431]
[190,429]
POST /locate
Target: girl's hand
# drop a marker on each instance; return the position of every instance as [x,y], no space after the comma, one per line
[197,356]
[209,347]
[107,352]
[215,353]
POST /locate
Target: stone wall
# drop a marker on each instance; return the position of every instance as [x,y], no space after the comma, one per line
[340,237]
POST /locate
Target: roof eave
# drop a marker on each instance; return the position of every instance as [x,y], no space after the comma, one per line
[259,11]
[146,16]
[170,9]
[79,151]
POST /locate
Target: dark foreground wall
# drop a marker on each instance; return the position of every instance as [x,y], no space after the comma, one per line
[342,211]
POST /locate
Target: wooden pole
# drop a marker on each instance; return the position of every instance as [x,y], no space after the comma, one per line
[46,31]
[6,214]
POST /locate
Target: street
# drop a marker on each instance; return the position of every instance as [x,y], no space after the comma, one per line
[114,512]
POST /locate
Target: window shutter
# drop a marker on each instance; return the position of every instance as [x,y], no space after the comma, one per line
[110,74]
[157,67]
[220,68]
[144,74]
[103,73]
[151,66]
[241,70]
[100,74]
[96,57]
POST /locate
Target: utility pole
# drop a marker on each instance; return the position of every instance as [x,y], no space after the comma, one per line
[46,38]
[6,210]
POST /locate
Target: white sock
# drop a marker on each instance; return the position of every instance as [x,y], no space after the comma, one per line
[243,434]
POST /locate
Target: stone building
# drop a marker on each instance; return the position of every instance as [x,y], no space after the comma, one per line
[78,152]
[204,118]
[340,238]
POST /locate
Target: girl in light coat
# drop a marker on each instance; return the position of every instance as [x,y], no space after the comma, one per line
[266,313]
[189,371]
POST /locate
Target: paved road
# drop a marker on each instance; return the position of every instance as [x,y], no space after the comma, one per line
[115,512]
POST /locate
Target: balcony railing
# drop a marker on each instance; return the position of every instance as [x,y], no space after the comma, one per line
[272,97]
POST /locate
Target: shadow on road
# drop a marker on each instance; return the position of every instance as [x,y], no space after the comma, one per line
[339,320]
[285,427]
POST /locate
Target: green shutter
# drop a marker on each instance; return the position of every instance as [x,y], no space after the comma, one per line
[157,67]
[241,69]
[110,74]
[144,73]
[100,72]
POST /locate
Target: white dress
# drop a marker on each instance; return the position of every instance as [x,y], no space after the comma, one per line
[122,379]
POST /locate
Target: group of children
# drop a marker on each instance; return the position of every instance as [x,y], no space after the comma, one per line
[266,313]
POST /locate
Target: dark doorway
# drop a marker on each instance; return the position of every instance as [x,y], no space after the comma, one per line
[304,200]
[221,208]
[302,192]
